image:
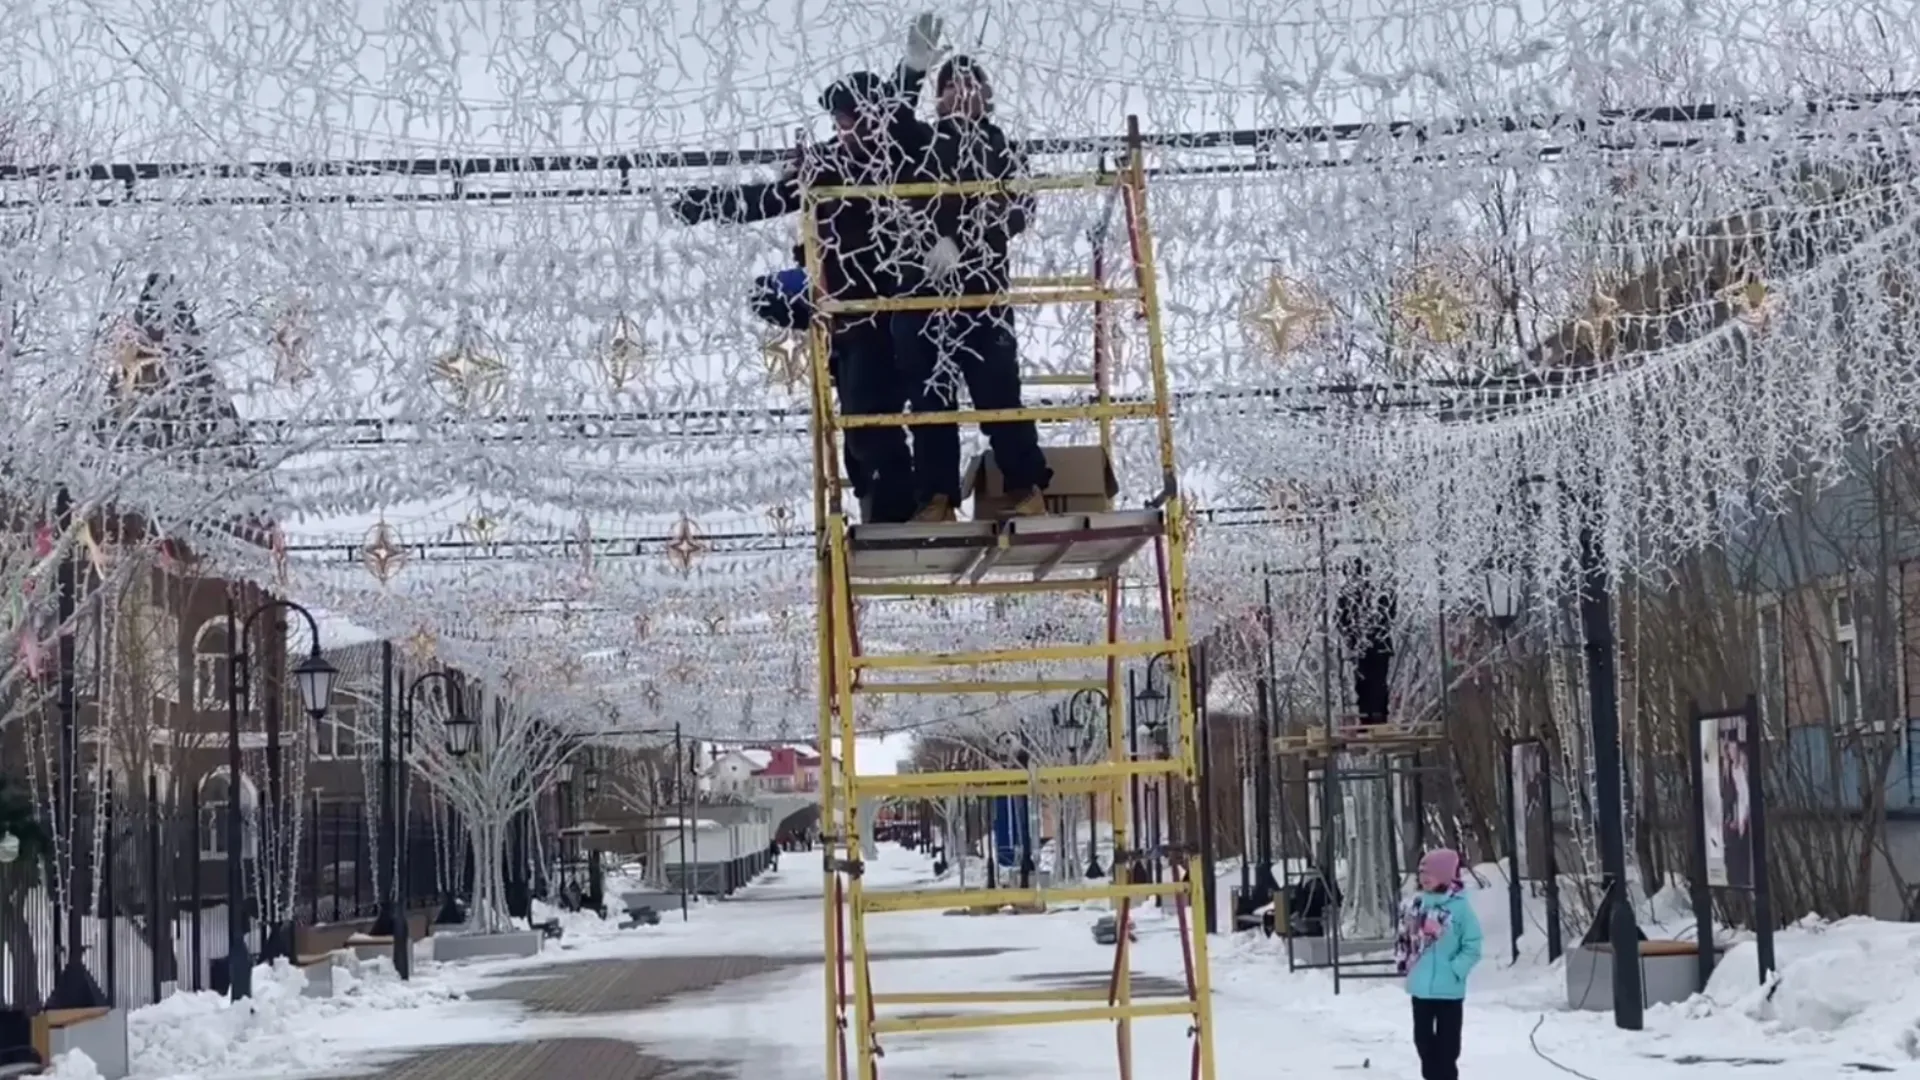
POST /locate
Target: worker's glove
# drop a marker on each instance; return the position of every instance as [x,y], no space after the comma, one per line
[923,42]
[943,262]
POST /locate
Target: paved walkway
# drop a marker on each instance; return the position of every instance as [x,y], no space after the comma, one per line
[605,987]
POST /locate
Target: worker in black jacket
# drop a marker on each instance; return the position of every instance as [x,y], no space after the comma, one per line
[876,134]
[963,252]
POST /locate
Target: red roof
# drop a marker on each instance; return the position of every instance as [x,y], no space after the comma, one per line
[788,761]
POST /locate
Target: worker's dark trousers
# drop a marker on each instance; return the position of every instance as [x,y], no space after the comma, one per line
[878,464]
[938,351]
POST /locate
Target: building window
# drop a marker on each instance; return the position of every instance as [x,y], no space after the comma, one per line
[214,792]
[210,665]
[1846,663]
[336,736]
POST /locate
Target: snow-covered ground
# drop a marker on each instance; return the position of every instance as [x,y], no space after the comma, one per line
[1847,1002]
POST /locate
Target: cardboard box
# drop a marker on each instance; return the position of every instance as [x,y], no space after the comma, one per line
[1083,483]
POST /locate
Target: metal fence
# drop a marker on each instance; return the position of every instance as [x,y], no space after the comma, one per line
[150,877]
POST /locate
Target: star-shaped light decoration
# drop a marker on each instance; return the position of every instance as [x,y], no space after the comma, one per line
[383,554]
[1285,316]
[785,355]
[623,355]
[682,671]
[481,527]
[130,350]
[470,376]
[782,518]
[276,546]
[715,622]
[1593,327]
[685,544]
[422,644]
[1436,305]
[650,694]
[1284,497]
[642,627]
[290,339]
[1750,301]
[568,670]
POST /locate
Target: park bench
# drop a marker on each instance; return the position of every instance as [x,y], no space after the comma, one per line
[100,1033]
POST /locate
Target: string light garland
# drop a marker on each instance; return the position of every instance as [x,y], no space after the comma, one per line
[437,328]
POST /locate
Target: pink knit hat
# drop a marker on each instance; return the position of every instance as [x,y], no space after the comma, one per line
[1439,869]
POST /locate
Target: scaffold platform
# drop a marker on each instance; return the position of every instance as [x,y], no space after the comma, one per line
[1096,552]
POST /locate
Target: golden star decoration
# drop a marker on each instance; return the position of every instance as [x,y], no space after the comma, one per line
[129,349]
[1750,301]
[1285,316]
[785,355]
[383,554]
[291,340]
[1594,325]
[624,354]
[422,643]
[1436,305]
[685,544]
[469,375]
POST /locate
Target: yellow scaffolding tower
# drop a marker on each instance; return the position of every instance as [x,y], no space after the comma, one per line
[1059,553]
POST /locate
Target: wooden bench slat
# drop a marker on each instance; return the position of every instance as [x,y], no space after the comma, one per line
[62,1018]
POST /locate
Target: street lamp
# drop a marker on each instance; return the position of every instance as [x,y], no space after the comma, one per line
[1149,708]
[460,731]
[393,916]
[315,677]
[1087,710]
[1503,599]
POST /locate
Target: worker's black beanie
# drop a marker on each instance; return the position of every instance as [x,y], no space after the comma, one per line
[854,94]
[957,66]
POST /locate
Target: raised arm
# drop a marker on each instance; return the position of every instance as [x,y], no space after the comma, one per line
[741,203]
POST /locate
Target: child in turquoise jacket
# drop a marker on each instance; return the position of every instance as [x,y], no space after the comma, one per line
[1438,946]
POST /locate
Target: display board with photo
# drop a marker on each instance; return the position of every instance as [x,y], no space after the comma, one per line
[1736,801]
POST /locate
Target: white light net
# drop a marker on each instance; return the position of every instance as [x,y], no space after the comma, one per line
[392,308]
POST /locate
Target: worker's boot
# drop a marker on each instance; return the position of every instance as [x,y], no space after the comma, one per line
[938,510]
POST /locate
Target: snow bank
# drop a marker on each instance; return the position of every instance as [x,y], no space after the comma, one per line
[192,1033]
[73,1065]
[1855,983]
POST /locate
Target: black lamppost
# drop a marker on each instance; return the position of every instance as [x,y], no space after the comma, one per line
[315,677]
[562,812]
[1149,711]
[596,883]
[393,912]
[1087,714]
